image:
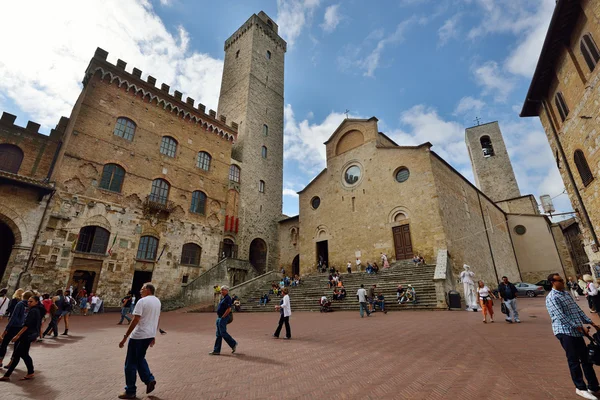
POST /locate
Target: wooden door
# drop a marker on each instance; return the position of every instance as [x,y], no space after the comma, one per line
[402,242]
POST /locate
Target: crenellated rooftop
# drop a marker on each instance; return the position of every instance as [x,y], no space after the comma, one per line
[259,22]
[7,120]
[174,103]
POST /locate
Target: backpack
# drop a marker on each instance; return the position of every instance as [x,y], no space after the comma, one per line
[67,303]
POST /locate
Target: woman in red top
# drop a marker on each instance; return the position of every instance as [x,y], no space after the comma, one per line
[47,303]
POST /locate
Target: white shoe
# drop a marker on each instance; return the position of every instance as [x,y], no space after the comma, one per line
[585,394]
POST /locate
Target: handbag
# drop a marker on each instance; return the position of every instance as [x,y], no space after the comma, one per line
[504,309]
[230,320]
[593,349]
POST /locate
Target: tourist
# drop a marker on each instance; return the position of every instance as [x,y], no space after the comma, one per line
[375,268]
[384,261]
[15,323]
[592,292]
[264,300]
[94,303]
[400,293]
[381,302]
[336,294]
[485,299]
[361,295]
[349,267]
[25,335]
[574,288]
[143,335]
[567,325]
[508,293]
[285,311]
[371,297]
[369,269]
[47,304]
[132,304]
[67,306]
[330,283]
[237,304]
[421,260]
[408,295]
[342,293]
[358,264]
[83,302]
[53,315]
[4,302]
[415,260]
[223,312]
[125,308]
[16,298]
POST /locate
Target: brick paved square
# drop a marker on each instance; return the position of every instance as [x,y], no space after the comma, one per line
[401,355]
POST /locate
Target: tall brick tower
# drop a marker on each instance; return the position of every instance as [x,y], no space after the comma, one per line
[252,95]
[492,168]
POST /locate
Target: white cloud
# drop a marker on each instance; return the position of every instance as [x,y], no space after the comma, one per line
[165,2]
[331,18]
[505,16]
[449,30]
[292,15]
[43,73]
[290,192]
[493,80]
[469,104]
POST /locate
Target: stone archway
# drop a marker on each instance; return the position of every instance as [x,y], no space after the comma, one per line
[258,255]
[296,266]
[6,245]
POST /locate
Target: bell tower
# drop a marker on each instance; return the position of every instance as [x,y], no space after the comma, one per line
[252,95]
[492,168]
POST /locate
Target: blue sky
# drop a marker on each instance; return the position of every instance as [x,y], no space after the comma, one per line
[424,68]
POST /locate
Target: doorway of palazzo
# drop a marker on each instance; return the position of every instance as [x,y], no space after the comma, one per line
[323,252]
[139,278]
[402,242]
[296,266]
[6,244]
[258,255]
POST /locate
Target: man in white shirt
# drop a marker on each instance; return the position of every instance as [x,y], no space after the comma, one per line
[94,302]
[143,332]
[285,311]
[358,264]
[362,301]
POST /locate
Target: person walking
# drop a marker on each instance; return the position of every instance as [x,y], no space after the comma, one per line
[16,298]
[83,300]
[142,329]
[4,302]
[53,314]
[349,267]
[508,293]
[371,297]
[361,295]
[485,299]
[592,292]
[94,302]
[125,308]
[285,311]
[64,302]
[27,334]
[15,323]
[567,325]
[573,288]
[223,311]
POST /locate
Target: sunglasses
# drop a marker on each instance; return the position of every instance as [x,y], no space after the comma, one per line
[558,280]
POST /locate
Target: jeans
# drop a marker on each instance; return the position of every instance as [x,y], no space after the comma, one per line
[288,330]
[52,326]
[364,307]
[135,363]
[512,309]
[222,334]
[21,352]
[576,351]
[10,333]
[124,311]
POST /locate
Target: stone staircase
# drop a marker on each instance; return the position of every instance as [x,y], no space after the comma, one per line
[306,297]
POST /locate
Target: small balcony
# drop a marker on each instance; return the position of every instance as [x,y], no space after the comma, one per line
[155,204]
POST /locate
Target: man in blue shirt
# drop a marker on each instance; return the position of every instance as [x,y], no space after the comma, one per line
[223,311]
[15,323]
[567,325]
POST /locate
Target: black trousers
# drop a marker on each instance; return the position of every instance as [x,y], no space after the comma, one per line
[10,333]
[288,330]
[52,326]
[576,351]
[21,352]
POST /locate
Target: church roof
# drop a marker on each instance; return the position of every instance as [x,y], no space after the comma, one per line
[346,121]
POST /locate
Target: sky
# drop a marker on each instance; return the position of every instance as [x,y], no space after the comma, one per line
[425,68]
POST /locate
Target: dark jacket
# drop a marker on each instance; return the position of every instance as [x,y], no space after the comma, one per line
[11,307]
[17,317]
[507,291]
[33,322]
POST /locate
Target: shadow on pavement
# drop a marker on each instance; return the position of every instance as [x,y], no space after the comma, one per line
[256,359]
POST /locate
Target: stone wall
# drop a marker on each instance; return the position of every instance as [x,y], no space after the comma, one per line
[289,243]
[564,250]
[520,205]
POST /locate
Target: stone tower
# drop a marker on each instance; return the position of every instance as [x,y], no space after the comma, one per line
[492,169]
[252,95]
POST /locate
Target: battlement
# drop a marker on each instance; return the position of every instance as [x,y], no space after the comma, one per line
[262,22]
[174,103]
[7,121]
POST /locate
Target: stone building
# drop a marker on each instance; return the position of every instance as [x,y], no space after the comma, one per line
[252,95]
[564,95]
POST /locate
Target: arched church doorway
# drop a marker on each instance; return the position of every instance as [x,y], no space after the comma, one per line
[6,245]
[296,266]
[258,255]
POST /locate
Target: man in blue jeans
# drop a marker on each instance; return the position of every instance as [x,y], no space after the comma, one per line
[223,311]
[508,292]
[143,331]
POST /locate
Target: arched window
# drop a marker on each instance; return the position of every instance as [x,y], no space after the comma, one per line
[112,178]
[125,128]
[264,152]
[561,106]
[582,166]
[168,146]
[198,202]
[190,254]
[261,186]
[92,239]
[268,55]
[11,157]
[203,161]
[160,191]
[147,248]
[234,173]
[265,130]
[486,146]
[589,50]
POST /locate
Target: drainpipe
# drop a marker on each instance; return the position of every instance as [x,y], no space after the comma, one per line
[569,173]
[487,235]
[37,235]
